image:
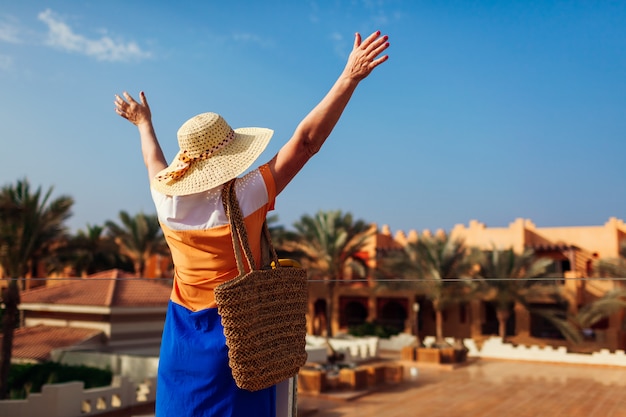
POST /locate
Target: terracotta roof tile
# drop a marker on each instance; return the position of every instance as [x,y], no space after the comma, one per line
[74,292]
[144,293]
[36,343]
[544,247]
[386,242]
[112,288]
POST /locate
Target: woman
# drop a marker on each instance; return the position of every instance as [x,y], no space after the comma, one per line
[194,378]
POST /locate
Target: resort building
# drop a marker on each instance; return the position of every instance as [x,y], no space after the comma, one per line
[572,249]
[110,311]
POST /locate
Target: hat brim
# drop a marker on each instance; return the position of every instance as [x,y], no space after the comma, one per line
[231,161]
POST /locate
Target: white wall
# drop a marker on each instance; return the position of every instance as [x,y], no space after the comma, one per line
[70,399]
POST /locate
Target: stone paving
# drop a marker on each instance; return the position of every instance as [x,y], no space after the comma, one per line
[488,388]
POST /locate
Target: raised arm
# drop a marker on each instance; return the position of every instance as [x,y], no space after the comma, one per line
[139,114]
[313,130]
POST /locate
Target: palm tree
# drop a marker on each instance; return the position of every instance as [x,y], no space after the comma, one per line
[87,252]
[329,243]
[30,225]
[438,267]
[572,326]
[506,278]
[138,238]
[610,303]
[283,239]
[612,267]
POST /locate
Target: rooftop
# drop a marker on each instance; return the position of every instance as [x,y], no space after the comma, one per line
[113,288]
[36,343]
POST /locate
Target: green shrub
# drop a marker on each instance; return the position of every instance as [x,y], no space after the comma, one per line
[27,378]
[373,329]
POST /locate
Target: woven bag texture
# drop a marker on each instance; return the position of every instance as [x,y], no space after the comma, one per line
[263,313]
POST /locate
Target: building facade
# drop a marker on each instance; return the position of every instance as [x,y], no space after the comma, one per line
[572,249]
[124,313]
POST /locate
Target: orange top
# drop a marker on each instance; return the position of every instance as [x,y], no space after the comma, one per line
[198,234]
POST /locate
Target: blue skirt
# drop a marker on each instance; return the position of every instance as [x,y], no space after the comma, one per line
[194,379]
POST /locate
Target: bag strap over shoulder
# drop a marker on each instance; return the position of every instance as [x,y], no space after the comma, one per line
[239,233]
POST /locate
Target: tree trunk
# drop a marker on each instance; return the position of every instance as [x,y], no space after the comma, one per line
[11,298]
[503,317]
[330,307]
[439,327]
[417,329]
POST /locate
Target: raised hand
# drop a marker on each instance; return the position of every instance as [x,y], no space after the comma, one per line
[138,113]
[365,56]
[133,111]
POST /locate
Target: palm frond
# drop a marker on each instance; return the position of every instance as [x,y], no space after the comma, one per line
[138,238]
[31,225]
[609,304]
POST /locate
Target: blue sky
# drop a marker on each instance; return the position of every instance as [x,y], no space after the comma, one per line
[487,110]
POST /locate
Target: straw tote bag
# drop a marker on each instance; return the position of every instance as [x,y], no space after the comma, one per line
[262,311]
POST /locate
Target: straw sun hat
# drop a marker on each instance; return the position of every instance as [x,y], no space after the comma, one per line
[210,154]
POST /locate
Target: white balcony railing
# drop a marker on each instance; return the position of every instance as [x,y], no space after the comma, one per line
[70,399]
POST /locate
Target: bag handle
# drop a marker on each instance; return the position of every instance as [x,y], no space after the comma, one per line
[239,234]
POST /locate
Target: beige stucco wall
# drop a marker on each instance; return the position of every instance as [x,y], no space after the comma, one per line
[479,235]
[603,240]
